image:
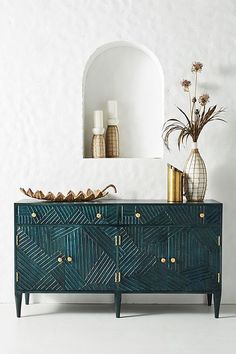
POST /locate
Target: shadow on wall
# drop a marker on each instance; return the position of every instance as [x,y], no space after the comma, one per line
[228,70]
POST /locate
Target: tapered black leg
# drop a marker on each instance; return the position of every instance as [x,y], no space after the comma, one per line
[27,297]
[209,299]
[217,298]
[117,303]
[18,299]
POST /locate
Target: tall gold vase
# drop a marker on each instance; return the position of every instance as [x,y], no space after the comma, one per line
[195,176]
[174,185]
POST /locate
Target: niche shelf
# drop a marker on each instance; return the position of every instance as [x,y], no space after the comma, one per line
[132,75]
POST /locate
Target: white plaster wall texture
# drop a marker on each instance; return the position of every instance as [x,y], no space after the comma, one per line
[44,46]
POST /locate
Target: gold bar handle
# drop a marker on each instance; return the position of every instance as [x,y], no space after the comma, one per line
[119,277]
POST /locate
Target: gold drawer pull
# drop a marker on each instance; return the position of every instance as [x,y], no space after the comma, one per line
[137,215]
[172,260]
[98,216]
[163,260]
[33,215]
[69,259]
[202,215]
[60,259]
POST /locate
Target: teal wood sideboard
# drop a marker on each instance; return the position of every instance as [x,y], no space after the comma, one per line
[118,246]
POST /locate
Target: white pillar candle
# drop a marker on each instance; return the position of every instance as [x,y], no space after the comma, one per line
[112,112]
[98,119]
[112,109]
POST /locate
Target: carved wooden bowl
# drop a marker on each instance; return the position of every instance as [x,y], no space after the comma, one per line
[86,196]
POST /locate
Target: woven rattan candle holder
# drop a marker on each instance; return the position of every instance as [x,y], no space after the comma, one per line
[112,141]
[98,146]
[112,134]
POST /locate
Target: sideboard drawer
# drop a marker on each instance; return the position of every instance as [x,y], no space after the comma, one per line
[66,214]
[168,214]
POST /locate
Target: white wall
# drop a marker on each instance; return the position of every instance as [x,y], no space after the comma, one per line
[44,46]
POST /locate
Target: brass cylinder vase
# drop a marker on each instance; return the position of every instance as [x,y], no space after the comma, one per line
[174,185]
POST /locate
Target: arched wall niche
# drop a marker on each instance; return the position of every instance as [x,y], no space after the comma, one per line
[132,75]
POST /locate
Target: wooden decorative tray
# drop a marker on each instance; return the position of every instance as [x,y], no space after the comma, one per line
[86,196]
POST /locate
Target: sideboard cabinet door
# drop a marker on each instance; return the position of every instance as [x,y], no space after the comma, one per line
[140,252]
[39,258]
[73,258]
[193,259]
[169,259]
[92,262]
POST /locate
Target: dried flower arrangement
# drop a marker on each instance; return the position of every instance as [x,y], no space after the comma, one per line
[198,116]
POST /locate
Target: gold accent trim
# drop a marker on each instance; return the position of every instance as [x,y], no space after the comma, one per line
[163,260]
[118,240]
[137,215]
[218,277]
[117,277]
[202,215]
[17,277]
[219,241]
[33,215]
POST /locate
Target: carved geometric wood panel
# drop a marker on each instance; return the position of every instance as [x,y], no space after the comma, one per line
[91,248]
[196,252]
[163,214]
[66,214]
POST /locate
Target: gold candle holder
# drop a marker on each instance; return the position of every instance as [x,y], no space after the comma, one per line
[174,185]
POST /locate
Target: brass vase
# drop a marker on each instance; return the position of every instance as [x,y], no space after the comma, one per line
[174,185]
[195,176]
